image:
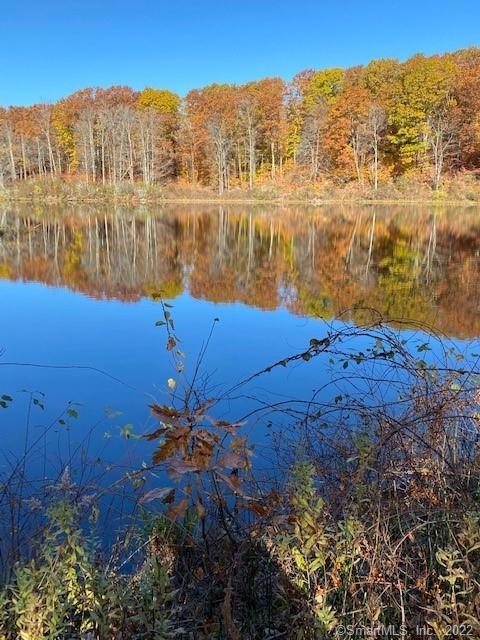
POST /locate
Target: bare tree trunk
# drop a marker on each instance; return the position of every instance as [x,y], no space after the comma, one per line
[220,175]
[92,149]
[375,163]
[130,154]
[39,158]
[13,172]
[24,157]
[251,157]
[192,164]
[239,165]
[376,124]
[85,158]
[247,113]
[440,137]
[51,157]
[102,153]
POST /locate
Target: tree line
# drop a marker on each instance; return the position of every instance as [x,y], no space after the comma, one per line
[370,123]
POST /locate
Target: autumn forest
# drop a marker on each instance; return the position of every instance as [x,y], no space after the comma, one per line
[372,125]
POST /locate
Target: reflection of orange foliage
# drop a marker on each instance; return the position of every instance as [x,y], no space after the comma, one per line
[314,262]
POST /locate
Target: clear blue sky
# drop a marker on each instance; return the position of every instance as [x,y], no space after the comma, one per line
[50,48]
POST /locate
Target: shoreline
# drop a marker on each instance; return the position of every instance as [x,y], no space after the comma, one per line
[278,202]
[62,192]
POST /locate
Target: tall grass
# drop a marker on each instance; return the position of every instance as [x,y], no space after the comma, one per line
[462,188]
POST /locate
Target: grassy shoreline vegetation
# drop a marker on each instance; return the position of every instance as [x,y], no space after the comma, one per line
[370,521]
[461,190]
[387,131]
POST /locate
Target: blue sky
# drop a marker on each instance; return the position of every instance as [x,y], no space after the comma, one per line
[50,48]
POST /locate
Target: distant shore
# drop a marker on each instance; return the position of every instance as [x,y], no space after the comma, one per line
[459,192]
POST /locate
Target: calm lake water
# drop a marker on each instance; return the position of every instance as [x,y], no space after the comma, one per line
[80,286]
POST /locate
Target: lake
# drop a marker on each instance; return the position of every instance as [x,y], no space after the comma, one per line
[81,290]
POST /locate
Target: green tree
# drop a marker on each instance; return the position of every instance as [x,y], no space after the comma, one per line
[424,84]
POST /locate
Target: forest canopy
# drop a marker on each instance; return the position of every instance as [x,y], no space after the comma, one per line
[370,124]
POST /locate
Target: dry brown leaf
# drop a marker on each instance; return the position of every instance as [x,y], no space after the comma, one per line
[177,510]
[168,448]
[179,468]
[231,460]
[233,482]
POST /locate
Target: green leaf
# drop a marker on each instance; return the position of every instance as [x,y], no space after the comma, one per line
[316,564]
[423,347]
